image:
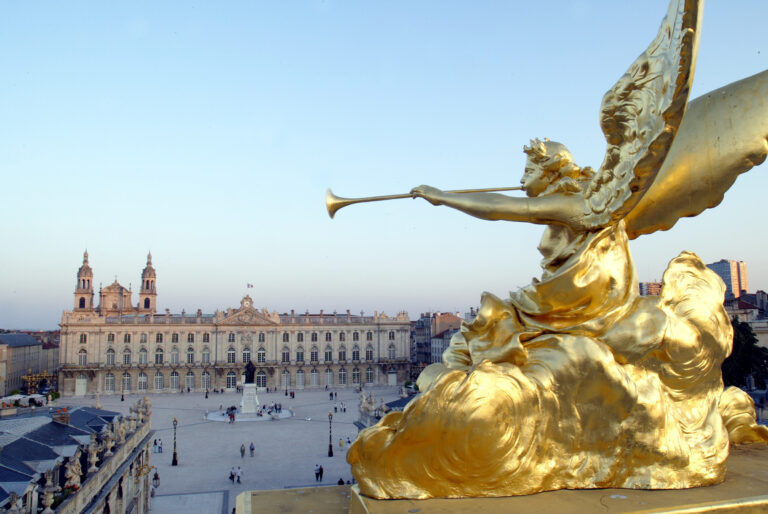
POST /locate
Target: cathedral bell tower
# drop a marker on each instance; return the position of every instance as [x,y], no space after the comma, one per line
[148,293]
[84,288]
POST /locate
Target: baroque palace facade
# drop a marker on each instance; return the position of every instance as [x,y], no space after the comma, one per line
[117,347]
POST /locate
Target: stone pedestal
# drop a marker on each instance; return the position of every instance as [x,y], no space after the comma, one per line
[250,402]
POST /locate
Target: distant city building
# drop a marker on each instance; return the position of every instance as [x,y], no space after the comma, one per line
[83,460]
[422,330]
[20,354]
[650,288]
[440,343]
[118,347]
[734,274]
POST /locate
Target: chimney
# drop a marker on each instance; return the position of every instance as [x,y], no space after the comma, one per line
[61,416]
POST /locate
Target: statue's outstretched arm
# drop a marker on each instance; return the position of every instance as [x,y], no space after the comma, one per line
[555,209]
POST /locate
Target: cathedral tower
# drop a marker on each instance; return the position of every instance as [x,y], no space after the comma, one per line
[84,289]
[148,293]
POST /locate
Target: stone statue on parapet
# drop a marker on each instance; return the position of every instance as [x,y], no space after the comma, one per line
[575,381]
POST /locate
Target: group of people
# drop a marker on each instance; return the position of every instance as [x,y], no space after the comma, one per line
[236,474]
[339,406]
[157,446]
[230,412]
[242,450]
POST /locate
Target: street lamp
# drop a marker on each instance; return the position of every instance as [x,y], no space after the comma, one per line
[175,461]
[330,438]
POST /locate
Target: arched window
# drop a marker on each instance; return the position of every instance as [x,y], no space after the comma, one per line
[391,335]
[261,379]
[174,337]
[314,337]
[246,355]
[313,354]
[126,381]
[369,375]
[355,353]
[143,338]
[83,338]
[355,376]
[110,338]
[355,336]
[206,355]
[286,337]
[286,354]
[142,381]
[158,381]
[315,377]
[82,357]
[146,303]
[328,377]
[231,380]
[82,303]
[190,355]
[342,376]
[342,353]
[231,355]
[261,338]
[159,356]
[328,354]
[299,354]
[206,337]
[369,336]
[300,337]
[285,381]
[369,353]
[174,355]
[109,382]
[126,356]
[158,338]
[341,336]
[190,338]
[206,380]
[111,358]
[231,337]
[261,356]
[392,351]
[190,380]
[328,337]
[174,381]
[143,356]
[300,379]
[127,338]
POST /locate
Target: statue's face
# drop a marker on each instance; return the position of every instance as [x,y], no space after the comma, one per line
[535,179]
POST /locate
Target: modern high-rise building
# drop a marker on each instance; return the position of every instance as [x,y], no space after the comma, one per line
[734,274]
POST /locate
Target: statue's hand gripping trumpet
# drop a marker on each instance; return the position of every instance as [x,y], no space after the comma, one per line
[575,381]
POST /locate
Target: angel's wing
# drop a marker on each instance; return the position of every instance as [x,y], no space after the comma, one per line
[724,133]
[641,114]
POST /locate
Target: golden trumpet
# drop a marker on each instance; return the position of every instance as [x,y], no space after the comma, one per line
[333,203]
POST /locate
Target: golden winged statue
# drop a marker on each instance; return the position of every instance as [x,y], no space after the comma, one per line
[576,381]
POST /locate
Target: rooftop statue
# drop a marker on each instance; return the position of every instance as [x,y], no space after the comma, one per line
[576,381]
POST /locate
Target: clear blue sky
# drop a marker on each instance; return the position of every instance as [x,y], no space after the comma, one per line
[208,133]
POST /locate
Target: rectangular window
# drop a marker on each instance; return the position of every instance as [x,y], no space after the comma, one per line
[110,338]
[286,356]
[328,355]
[159,358]
[313,356]
[342,355]
[369,354]
[190,357]
[300,356]
[190,338]
[174,338]
[127,358]
[206,356]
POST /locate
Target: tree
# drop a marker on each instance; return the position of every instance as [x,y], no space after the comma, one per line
[747,358]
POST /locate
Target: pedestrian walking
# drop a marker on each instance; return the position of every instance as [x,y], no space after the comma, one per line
[154,446]
[335,407]
[341,443]
[239,474]
[317,473]
[321,473]
[232,475]
[242,451]
[159,446]
[253,449]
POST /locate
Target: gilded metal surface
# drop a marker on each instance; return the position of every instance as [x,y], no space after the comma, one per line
[575,381]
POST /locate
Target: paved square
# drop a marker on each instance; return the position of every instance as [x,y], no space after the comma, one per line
[286,449]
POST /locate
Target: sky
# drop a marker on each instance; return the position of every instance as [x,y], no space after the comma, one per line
[207,133]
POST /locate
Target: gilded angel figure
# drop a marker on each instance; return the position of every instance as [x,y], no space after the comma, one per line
[576,381]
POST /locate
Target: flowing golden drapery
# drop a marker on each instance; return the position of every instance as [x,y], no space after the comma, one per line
[572,382]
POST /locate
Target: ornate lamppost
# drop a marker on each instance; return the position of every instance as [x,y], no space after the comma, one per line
[175,461]
[330,438]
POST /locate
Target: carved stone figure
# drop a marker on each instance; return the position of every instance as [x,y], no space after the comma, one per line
[73,470]
[576,381]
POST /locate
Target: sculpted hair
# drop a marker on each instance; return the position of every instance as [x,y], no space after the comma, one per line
[557,160]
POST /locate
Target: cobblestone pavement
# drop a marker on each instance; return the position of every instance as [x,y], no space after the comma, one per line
[286,449]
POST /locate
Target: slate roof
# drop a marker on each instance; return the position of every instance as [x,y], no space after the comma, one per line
[15,340]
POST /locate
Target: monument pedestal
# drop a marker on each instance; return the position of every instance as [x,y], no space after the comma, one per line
[745,489]
[250,401]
